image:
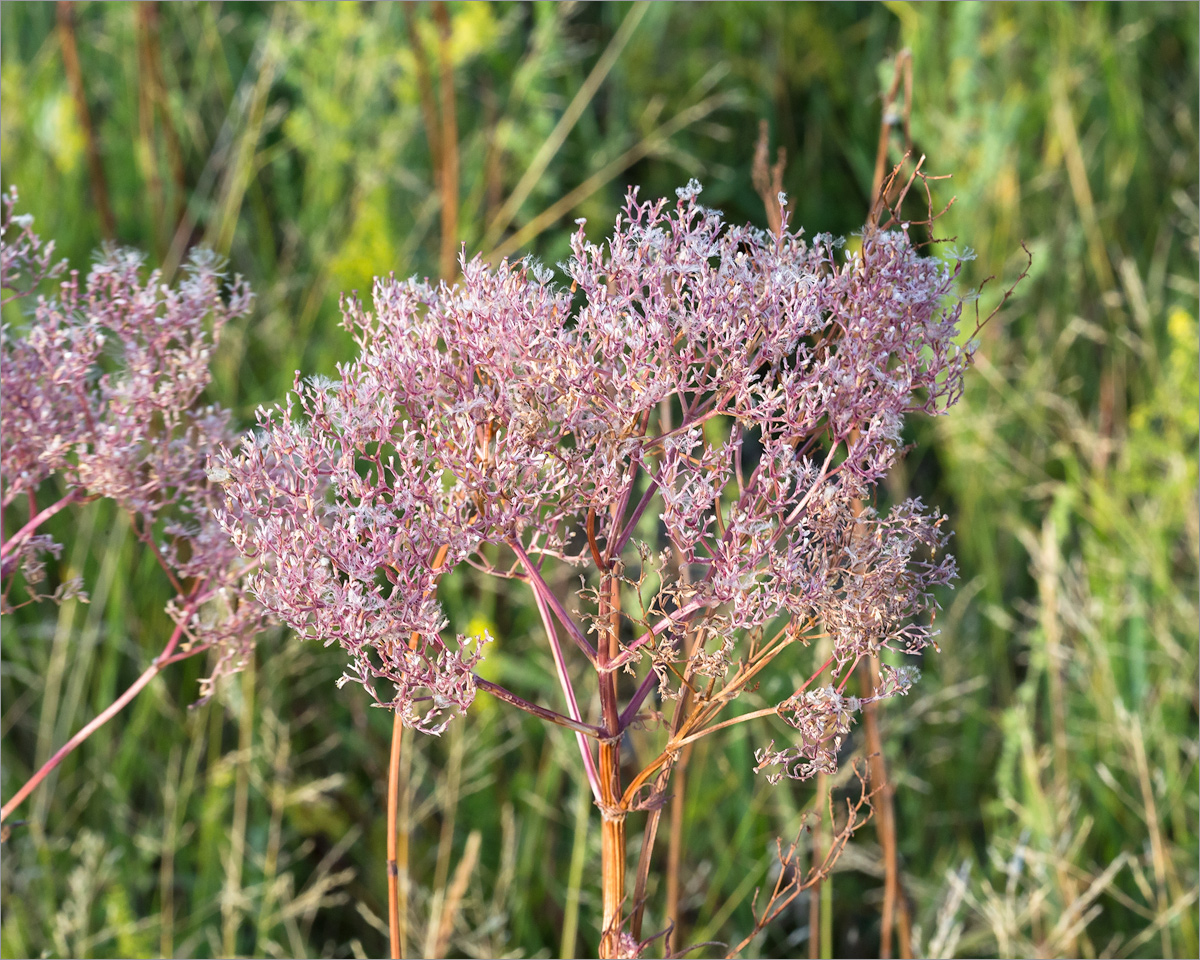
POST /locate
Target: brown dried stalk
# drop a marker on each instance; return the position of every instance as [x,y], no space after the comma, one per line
[70,51]
[768,178]
[903,72]
[448,160]
[895,904]
[441,128]
[397,898]
[792,881]
[152,100]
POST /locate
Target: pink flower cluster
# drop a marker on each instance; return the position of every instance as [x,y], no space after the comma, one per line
[101,391]
[700,412]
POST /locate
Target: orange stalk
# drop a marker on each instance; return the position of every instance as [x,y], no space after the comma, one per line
[612,848]
[393,868]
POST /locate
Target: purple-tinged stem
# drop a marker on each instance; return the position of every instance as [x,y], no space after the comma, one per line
[152,671]
[816,484]
[544,713]
[543,590]
[617,545]
[34,522]
[695,422]
[679,616]
[638,698]
[564,679]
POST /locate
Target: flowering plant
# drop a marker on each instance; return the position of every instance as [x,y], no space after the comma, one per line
[694,424]
[100,399]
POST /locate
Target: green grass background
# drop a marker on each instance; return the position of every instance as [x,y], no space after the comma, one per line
[1046,766]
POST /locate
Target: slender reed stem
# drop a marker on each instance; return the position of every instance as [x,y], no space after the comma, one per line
[818,855]
[231,901]
[425,85]
[885,819]
[152,671]
[406,793]
[448,155]
[70,52]
[649,835]
[570,924]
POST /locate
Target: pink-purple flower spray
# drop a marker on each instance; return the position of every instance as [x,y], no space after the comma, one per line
[691,422]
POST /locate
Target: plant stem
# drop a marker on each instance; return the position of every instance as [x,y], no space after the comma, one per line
[564,679]
[70,52]
[570,924]
[612,848]
[612,811]
[230,908]
[818,855]
[100,720]
[393,868]
[405,786]
[827,914]
[649,835]
[36,521]
[893,900]
[551,601]
[675,850]
[501,693]
[448,154]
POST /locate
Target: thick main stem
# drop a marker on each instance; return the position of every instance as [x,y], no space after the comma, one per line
[612,848]
[612,811]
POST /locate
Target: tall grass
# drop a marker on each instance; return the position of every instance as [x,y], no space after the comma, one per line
[1046,774]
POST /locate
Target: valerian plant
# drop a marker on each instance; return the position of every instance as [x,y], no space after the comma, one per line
[101,399]
[694,425]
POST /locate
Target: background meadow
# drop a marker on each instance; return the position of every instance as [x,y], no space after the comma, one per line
[1045,766]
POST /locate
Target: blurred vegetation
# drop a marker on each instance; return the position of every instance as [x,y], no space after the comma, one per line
[1046,767]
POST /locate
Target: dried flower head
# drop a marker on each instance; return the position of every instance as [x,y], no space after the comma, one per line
[699,416]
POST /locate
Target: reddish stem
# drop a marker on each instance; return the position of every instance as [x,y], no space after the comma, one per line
[544,591]
[156,667]
[544,713]
[564,679]
[36,521]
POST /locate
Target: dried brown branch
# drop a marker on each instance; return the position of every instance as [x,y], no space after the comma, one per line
[889,119]
[792,881]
